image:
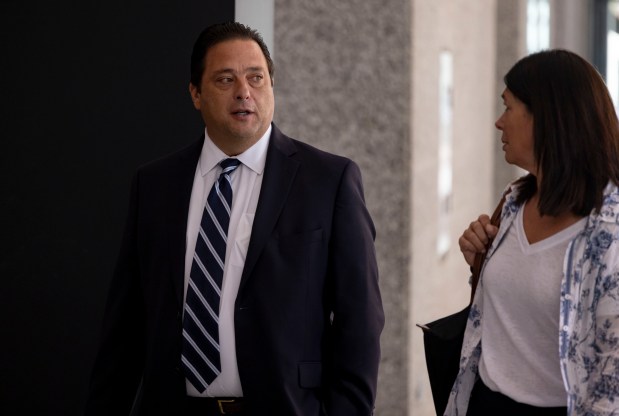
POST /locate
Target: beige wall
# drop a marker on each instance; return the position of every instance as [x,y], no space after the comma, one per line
[510,46]
[439,285]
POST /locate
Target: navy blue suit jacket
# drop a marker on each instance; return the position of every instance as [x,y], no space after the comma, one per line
[308,314]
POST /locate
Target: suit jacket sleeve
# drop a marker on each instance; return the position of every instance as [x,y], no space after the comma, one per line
[119,362]
[357,317]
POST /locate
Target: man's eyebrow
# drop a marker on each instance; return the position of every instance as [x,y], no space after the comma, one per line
[255,69]
[223,71]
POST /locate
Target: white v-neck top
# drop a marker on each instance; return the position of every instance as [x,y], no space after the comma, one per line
[520,345]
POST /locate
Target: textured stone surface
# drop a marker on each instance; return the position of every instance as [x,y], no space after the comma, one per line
[342,83]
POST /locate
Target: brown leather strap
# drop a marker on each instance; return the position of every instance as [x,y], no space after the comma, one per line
[480,257]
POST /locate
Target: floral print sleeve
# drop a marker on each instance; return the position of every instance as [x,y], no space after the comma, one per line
[589,334]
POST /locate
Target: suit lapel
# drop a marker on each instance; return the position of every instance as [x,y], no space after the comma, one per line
[279,174]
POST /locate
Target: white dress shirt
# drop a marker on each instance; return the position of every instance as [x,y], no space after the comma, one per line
[246,185]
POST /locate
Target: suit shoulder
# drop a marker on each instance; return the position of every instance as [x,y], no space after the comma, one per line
[312,153]
[186,155]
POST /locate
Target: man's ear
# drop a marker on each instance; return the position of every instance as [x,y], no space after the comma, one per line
[195,95]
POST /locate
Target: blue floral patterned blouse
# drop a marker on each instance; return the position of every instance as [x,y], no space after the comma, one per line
[589,321]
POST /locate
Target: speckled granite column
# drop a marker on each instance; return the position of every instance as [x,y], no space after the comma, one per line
[342,83]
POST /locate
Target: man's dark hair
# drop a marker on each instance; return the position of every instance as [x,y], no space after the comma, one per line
[575,131]
[218,33]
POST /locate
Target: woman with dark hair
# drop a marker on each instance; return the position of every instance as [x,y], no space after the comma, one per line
[543,333]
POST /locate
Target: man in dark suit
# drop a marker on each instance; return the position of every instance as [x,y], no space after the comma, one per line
[277,235]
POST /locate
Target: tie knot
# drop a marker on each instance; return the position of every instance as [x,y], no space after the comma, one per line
[228,165]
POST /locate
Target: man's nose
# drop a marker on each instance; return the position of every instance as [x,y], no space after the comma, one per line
[242,90]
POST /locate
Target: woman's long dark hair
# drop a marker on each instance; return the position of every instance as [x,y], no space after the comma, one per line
[575,131]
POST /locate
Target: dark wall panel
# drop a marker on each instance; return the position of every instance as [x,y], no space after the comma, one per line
[89,90]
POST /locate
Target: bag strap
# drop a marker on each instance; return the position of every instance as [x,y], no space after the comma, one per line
[480,257]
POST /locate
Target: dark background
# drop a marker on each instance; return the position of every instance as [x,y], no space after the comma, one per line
[89,90]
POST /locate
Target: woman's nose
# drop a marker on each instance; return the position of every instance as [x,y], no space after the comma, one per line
[499,123]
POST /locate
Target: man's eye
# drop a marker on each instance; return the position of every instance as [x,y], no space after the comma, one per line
[225,80]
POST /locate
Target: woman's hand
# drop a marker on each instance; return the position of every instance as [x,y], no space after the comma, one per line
[475,238]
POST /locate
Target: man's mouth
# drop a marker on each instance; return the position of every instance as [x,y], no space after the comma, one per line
[241,113]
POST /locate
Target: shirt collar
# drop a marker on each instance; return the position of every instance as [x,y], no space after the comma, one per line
[254,157]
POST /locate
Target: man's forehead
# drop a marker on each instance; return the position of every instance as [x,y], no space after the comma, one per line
[229,56]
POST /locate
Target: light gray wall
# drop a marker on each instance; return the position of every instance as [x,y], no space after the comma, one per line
[257,14]
[570,26]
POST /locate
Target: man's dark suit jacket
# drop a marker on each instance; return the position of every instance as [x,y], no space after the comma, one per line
[308,314]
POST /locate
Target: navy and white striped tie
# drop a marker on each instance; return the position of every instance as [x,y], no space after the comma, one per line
[200,356]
